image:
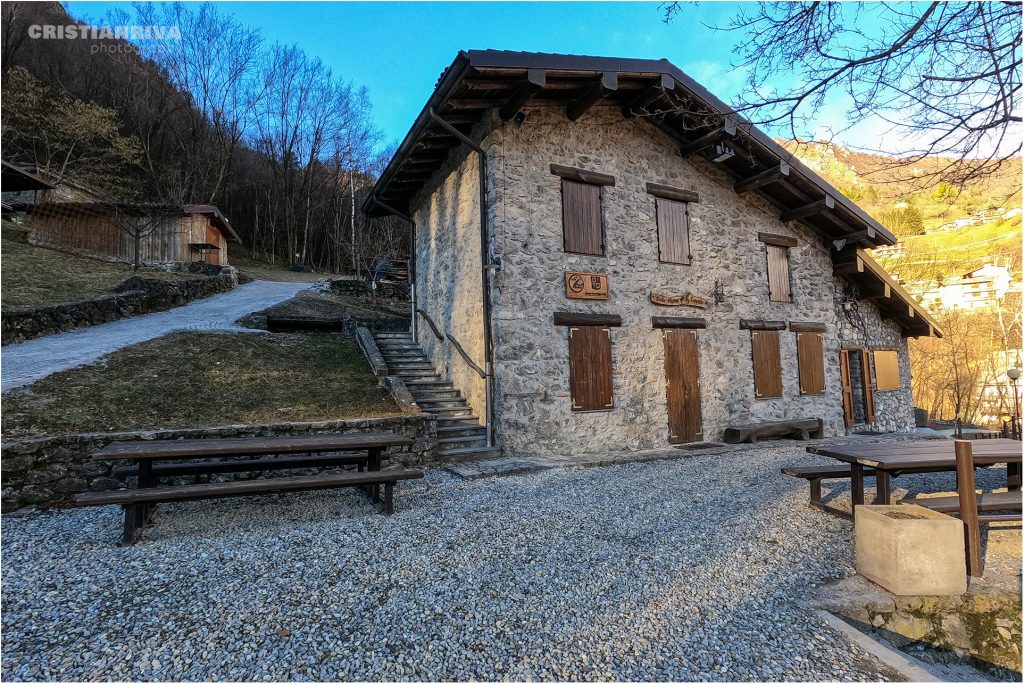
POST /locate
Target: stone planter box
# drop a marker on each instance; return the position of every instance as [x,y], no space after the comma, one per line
[911,550]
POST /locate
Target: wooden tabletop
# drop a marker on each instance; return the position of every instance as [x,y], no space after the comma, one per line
[247,446]
[931,453]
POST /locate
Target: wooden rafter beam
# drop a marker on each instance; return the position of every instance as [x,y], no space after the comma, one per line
[767,177]
[728,130]
[608,84]
[809,209]
[855,265]
[536,79]
[639,104]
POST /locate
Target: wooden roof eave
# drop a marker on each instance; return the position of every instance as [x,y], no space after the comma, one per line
[891,299]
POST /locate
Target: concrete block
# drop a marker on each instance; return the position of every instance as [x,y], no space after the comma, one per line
[911,550]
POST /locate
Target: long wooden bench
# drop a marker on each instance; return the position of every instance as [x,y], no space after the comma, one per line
[801,428]
[135,500]
[815,474]
[987,502]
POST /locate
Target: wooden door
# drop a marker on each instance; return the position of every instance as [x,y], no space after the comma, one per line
[844,371]
[682,381]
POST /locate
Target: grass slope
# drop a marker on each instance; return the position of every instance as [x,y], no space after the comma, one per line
[37,276]
[202,379]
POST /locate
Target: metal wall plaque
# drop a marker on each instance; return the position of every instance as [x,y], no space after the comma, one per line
[586,285]
[688,299]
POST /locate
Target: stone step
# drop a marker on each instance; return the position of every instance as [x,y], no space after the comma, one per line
[463,439]
[450,412]
[432,405]
[438,391]
[417,356]
[448,425]
[391,335]
[410,364]
[398,346]
[465,453]
[435,397]
[415,373]
[428,383]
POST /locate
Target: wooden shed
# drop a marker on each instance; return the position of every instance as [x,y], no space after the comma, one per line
[193,232]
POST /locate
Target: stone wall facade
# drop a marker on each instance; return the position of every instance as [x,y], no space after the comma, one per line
[49,471]
[137,295]
[448,284]
[532,400]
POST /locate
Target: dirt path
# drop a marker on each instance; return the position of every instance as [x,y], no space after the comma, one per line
[29,361]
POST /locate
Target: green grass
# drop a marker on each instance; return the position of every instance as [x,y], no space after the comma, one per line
[203,379]
[37,276]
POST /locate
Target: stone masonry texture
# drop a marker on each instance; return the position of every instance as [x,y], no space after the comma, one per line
[532,403]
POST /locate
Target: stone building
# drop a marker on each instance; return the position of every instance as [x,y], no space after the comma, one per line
[607,258]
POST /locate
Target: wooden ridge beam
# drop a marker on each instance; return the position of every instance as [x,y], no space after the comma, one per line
[637,105]
[691,148]
[809,209]
[759,180]
[608,84]
[536,79]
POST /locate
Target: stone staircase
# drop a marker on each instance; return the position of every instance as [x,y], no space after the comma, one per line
[460,437]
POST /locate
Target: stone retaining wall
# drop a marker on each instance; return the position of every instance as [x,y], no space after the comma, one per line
[48,471]
[137,295]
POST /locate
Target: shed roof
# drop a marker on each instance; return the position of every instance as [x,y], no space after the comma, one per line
[101,208]
[16,179]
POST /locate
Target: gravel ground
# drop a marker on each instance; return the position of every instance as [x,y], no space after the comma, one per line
[675,570]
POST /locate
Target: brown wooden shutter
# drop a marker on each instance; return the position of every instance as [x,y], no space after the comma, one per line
[844,372]
[673,231]
[869,394]
[581,218]
[590,368]
[810,355]
[778,274]
[887,369]
[767,363]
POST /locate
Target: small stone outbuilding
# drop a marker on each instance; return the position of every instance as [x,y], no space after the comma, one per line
[633,265]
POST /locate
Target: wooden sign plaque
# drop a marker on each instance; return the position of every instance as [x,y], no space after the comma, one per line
[688,299]
[586,285]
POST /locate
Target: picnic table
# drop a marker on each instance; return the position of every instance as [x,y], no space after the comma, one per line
[193,457]
[887,461]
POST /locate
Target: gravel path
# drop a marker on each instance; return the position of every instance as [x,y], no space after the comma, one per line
[676,570]
[26,362]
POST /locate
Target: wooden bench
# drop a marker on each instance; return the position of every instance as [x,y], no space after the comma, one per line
[987,502]
[815,474]
[802,428]
[135,501]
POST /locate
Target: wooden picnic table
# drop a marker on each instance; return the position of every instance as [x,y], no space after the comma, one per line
[192,457]
[933,455]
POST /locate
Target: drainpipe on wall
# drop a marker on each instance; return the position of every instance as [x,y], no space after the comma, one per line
[485,266]
[412,261]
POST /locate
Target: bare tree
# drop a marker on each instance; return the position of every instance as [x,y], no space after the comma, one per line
[944,75]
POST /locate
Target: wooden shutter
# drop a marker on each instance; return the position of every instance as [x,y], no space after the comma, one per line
[767,363]
[673,231]
[810,354]
[590,368]
[778,274]
[581,218]
[887,369]
[844,372]
[869,394]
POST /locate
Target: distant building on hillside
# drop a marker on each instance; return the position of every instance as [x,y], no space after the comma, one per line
[978,289]
[168,233]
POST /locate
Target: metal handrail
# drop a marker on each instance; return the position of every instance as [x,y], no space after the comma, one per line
[465,357]
[433,326]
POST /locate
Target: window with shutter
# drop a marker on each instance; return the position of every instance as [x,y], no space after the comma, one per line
[767,363]
[590,368]
[777,247]
[887,370]
[582,225]
[673,231]
[810,353]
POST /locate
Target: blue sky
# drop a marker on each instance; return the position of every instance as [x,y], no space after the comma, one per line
[398,49]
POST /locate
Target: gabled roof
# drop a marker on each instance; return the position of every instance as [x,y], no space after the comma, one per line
[657,90]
